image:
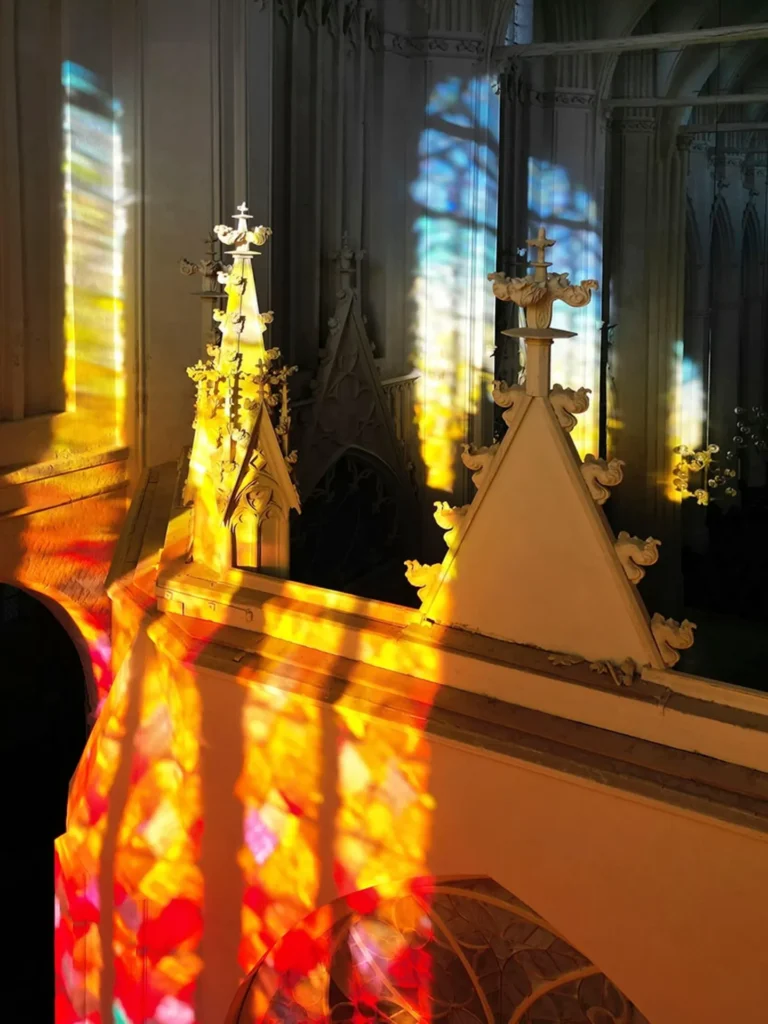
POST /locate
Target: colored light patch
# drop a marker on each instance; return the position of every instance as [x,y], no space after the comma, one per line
[95,225]
[686,413]
[570,215]
[259,839]
[455,241]
[173,1011]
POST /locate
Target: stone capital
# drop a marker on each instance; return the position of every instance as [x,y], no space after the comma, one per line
[468,48]
[640,125]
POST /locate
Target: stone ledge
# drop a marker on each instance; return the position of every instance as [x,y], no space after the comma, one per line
[48,485]
[688,780]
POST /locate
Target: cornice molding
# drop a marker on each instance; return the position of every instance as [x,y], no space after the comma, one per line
[461,46]
[634,125]
[584,99]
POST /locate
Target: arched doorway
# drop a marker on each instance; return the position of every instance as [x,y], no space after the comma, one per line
[43,728]
[458,950]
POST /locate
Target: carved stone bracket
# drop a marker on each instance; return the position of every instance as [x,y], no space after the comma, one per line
[505,396]
[599,475]
[538,296]
[634,125]
[580,99]
[568,403]
[421,576]
[634,554]
[478,460]
[671,637]
[450,519]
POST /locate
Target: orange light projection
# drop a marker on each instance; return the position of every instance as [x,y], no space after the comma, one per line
[128,866]
[324,793]
[281,790]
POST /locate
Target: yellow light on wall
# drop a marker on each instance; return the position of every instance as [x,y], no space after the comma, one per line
[95,225]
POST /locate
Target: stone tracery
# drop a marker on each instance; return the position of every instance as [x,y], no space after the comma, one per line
[455,950]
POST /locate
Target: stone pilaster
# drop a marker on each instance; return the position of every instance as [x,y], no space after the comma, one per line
[648,259]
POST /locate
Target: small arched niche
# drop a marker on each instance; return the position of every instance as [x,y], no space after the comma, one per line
[43,728]
[352,535]
[455,950]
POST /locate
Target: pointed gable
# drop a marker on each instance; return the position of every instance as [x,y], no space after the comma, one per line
[536,562]
[350,406]
[532,560]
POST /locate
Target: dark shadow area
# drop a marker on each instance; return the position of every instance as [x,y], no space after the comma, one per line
[43,715]
[725,592]
[351,535]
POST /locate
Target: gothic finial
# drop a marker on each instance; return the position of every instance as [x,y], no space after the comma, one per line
[347,258]
[541,243]
[241,237]
[536,294]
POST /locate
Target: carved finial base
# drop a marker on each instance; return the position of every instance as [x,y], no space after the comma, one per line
[599,475]
[634,554]
[569,403]
[421,576]
[672,637]
[479,460]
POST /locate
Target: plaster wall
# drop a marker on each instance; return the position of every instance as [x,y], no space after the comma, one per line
[645,890]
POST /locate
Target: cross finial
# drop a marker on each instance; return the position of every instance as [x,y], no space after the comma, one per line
[541,243]
[242,212]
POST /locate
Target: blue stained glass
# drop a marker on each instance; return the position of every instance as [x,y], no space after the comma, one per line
[459,119]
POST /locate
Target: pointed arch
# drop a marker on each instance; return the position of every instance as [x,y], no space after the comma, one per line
[751,255]
[723,240]
[84,631]
[694,245]
[752,361]
[403,957]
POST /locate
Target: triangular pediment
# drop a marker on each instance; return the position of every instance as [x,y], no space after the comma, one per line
[535,561]
[350,406]
[263,456]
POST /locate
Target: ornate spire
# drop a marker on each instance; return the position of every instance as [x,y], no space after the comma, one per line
[239,477]
[348,260]
[537,293]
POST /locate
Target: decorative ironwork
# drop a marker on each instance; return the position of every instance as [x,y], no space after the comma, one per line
[751,437]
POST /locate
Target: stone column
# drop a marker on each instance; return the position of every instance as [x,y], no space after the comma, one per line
[754,380]
[696,328]
[647,260]
[725,353]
